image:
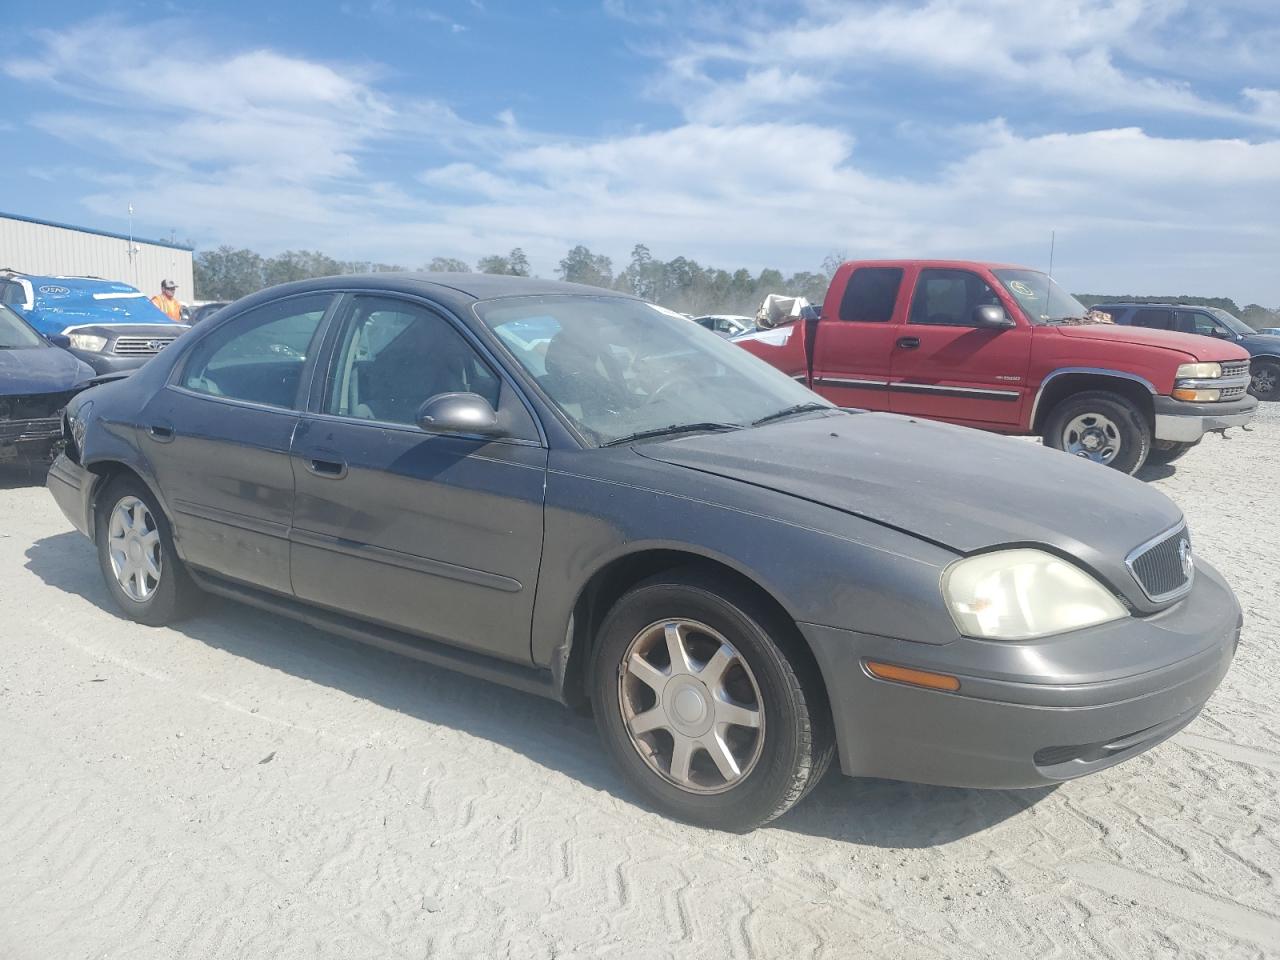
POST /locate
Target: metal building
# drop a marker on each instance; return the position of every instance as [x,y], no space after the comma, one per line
[58,249]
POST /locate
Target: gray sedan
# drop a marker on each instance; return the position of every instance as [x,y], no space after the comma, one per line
[568,491]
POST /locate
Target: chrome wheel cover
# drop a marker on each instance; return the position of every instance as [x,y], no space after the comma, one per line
[133,544]
[691,706]
[1092,436]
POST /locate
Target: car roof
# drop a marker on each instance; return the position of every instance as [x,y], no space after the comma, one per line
[1171,306]
[940,264]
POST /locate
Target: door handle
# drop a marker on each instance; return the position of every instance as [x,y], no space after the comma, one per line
[162,432]
[329,469]
[908,343]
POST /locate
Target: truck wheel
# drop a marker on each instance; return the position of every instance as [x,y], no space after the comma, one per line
[1265,382]
[706,703]
[136,555]
[1100,426]
[1167,451]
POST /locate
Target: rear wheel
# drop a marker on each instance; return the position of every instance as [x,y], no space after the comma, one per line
[1167,451]
[1100,426]
[707,704]
[1265,380]
[136,555]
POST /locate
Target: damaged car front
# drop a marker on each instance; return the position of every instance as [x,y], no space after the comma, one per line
[37,379]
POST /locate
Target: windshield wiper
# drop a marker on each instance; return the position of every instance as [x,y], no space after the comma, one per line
[791,411]
[671,429]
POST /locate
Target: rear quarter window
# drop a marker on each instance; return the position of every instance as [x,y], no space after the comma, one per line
[871,295]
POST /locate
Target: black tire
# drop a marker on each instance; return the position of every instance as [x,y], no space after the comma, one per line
[174,595]
[796,741]
[1167,451]
[1265,379]
[1131,428]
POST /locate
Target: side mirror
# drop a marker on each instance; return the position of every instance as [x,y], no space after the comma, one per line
[459,413]
[991,317]
[1223,334]
[59,340]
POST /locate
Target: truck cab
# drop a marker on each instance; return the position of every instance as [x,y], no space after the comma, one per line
[1004,348]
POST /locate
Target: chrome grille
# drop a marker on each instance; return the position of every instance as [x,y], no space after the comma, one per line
[1163,567]
[140,346]
[1235,368]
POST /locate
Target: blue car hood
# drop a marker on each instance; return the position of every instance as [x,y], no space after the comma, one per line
[40,370]
[1262,343]
[54,314]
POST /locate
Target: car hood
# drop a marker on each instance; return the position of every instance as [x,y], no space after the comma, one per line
[1196,346]
[40,370]
[1259,343]
[960,488]
[59,316]
[112,330]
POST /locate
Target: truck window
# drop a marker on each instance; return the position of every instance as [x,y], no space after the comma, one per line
[949,297]
[871,294]
[1153,319]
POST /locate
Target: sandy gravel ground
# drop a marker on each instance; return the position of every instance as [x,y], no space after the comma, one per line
[245,787]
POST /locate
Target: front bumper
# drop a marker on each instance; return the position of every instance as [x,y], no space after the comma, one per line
[1033,713]
[109,362]
[72,489]
[1188,422]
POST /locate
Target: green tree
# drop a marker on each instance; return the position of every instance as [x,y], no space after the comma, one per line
[227,273]
[447,265]
[518,263]
[299,265]
[580,265]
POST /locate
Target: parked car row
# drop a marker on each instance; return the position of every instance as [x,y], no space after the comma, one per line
[572,492]
[1004,349]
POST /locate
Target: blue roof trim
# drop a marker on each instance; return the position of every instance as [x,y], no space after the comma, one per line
[99,233]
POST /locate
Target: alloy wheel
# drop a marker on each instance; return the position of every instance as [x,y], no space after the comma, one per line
[1092,436]
[691,706]
[133,542]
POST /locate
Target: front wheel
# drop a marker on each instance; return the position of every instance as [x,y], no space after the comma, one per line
[136,555]
[707,703]
[1265,380]
[1100,426]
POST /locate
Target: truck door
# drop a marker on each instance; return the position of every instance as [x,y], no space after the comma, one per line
[947,368]
[854,344]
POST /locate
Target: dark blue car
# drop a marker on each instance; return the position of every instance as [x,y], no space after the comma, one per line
[1263,347]
[36,381]
[112,326]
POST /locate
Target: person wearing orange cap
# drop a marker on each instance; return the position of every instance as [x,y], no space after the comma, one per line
[167,303]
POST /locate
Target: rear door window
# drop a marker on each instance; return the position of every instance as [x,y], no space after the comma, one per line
[258,357]
[871,295]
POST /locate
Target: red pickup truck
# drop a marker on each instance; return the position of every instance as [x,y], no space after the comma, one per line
[1004,348]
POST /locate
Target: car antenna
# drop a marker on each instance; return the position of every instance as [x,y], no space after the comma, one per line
[1048,287]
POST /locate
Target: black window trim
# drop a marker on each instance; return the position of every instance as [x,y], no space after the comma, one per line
[315,406]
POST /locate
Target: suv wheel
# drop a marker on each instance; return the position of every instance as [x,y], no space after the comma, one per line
[136,555]
[1167,451]
[1265,381]
[1100,426]
[703,701]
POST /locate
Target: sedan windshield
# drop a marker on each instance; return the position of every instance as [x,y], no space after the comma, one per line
[1042,300]
[620,368]
[15,334]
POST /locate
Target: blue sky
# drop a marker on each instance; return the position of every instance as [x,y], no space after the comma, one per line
[1146,133]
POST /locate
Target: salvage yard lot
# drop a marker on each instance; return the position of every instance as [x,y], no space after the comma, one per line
[247,786]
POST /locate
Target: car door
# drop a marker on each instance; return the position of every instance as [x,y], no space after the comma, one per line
[1202,324]
[948,368]
[436,535]
[218,439]
[854,346]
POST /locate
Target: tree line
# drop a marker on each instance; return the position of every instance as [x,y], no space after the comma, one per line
[680,284]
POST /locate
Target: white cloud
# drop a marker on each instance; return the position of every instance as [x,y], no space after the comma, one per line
[272,151]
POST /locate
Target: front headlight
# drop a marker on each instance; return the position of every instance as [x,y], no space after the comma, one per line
[1199,371]
[87,341]
[1022,594]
